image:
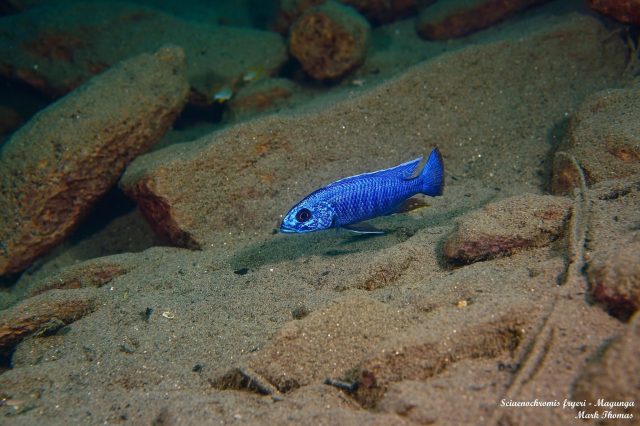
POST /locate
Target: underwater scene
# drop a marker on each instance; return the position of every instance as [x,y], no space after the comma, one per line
[308,212]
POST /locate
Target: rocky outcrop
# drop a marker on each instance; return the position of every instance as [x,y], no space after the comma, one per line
[376,11]
[603,139]
[507,226]
[627,11]
[44,314]
[611,377]
[99,34]
[55,167]
[613,255]
[458,18]
[329,40]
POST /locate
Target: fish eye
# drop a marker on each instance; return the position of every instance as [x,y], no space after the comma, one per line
[303,215]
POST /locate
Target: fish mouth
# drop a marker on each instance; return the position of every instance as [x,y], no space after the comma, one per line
[287,230]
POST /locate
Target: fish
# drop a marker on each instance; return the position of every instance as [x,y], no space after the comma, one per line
[253,74]
[347,202]
[223,94]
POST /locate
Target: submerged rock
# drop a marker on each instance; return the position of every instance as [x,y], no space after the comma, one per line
[604,139]
[613,246]
[614,274]
[376,11]
[506,226]
[91,273]
[326,343]
[422,359]
[44,313]
[627,11]
[99,34]
[458,18]
[612,376]
[329,40]
[55,167]
[263,95]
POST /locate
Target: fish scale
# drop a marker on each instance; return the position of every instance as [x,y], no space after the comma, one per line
[365,196]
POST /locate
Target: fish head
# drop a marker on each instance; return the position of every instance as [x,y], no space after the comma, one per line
[308,216]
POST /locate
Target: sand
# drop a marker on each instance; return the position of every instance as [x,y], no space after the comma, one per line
[250,328]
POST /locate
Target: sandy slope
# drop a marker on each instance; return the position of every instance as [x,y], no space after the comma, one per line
[247,330]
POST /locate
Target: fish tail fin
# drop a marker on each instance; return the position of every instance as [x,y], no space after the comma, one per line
[432,174]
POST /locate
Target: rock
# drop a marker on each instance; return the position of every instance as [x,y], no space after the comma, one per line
[237,13]
[99,34]
[385,267]
[326,343]
[44,313]
[376,11]
[329,40]
[506,226]
[55,167]
[627,11]
[614,275]
[567,174]
[458,18]
[289,11]
[612,376]
[420,361]
[603,137]
[613,247]
[91,273]
[260,96]
[230,185]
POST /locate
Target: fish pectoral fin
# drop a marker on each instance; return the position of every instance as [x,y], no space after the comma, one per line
[410,204]
[363,228]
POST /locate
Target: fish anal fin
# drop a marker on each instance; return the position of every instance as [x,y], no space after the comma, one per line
[363,228]
[411,204]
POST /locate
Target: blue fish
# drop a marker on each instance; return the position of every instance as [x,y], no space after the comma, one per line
[351,200]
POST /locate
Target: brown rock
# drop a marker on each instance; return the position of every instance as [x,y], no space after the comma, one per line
[91,273]
[326,343]
[627,11]
[567,174]
[603,137]
[384,268]
[43,313]
[458,18]
[385,11]
[55,167]
[420,361]
[290,10]
[329,40]
[260,96]
[506,226]
[613,247]
[376,11]
[99,34]
[613,376]
[615,277]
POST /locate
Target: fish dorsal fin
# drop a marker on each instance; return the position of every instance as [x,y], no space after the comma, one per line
[417,170]
[402,171]
[363,228]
